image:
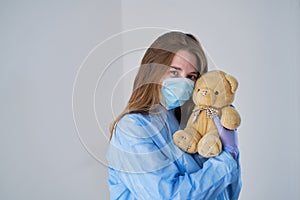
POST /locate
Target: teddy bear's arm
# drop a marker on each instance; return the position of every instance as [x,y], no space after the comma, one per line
[230,118]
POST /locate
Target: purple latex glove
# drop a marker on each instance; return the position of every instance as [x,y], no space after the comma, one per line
[228,137]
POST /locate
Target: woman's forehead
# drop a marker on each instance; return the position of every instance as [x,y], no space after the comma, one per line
[185,60]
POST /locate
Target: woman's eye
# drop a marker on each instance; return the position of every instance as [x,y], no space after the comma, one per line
[192,77]
[174,73]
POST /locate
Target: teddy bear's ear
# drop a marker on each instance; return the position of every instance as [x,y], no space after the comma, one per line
[232,81]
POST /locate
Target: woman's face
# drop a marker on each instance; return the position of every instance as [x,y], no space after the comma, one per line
[183,66]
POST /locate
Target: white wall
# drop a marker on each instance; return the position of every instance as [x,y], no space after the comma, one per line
[67,69]
[43,44]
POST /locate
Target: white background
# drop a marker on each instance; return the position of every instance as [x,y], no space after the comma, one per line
[54,50]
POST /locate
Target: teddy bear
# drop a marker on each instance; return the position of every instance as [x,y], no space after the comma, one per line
[213,94]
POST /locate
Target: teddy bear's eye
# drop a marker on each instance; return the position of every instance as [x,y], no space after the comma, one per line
[198,89]
[216,92]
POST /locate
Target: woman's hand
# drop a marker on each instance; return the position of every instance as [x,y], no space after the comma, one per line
[228,137]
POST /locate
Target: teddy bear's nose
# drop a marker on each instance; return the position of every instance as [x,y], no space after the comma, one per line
[204,92]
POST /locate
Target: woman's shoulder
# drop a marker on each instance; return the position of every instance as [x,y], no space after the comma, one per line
[135,119]
[141,124]
[132,127]
[134,133]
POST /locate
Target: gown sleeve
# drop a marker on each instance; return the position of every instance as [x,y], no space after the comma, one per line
[149,169]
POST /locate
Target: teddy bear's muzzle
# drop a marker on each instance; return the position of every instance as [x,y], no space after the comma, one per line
[204,92]
[206,96]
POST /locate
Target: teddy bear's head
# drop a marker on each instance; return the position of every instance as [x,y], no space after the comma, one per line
[215,89]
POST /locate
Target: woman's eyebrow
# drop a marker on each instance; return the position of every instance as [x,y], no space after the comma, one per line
[196,73]
[180,69]
[177,68]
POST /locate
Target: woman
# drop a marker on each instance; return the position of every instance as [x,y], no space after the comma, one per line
[143,161]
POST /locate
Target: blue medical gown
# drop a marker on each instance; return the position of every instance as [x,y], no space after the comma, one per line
[144,163]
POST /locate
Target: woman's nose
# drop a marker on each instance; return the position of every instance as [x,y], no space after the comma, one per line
[183,75]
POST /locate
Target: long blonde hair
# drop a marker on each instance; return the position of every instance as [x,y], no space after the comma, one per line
[155,63]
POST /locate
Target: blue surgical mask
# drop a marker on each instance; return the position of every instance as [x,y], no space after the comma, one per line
[176,91]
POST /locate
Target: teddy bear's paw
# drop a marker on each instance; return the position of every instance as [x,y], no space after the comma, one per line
[209,146]
[230,118]
[186,142]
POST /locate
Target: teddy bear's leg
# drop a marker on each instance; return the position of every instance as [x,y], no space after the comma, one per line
[187,139]
[210,144]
